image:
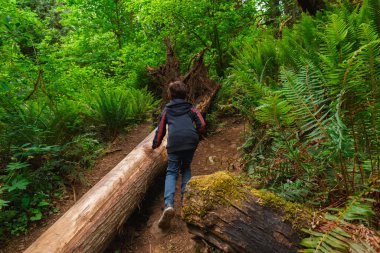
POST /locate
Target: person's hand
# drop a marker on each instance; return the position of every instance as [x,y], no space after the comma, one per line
[147,148]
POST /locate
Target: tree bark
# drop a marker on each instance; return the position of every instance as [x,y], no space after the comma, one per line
[219,210]
[91,223]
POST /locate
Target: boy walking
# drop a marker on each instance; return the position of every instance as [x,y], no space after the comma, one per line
[185,124]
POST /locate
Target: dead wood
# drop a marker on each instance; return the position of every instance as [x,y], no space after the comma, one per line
[221,210]
[230,217]
[196,78]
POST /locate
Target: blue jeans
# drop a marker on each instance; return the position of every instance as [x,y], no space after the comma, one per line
[178,161]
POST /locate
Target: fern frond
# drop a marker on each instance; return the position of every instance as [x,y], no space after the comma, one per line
[370,11]
[116,109]
[275,111]
[335,47]
[306,93]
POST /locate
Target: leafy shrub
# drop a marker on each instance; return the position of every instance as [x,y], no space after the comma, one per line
[40,146]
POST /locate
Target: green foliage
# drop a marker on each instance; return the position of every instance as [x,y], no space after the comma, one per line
[115,109]
[305,90]
[320,124]
[194,25]
[274,111]
[54,55]
[73,71]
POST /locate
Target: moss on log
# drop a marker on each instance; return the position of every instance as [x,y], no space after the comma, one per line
[235,218]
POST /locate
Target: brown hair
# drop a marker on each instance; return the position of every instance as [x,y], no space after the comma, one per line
[177,89]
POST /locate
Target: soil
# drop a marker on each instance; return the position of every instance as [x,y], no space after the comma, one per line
[219,151]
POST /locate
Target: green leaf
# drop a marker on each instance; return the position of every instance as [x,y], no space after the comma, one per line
[310,242]
[18,184]
[16,166]
[37,215]
[3,203]
[25,201]
[43,203]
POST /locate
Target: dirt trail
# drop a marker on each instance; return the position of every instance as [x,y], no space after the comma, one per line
[140,235]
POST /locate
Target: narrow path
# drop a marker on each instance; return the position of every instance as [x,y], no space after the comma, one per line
[218,152]
[114,153]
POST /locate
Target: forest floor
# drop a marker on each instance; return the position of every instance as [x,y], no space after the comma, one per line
[219,151]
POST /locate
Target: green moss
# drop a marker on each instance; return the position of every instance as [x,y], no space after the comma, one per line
[205,193]
[219,183]
[218,188]
[297,214]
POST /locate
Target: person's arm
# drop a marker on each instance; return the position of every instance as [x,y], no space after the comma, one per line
[200,123]
[161,131]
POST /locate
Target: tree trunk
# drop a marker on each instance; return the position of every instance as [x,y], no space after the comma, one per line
[232,218]
[91,223]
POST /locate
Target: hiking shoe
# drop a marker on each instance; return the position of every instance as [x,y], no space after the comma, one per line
[166,217]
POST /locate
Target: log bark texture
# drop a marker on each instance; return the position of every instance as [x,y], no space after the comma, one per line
[220,211]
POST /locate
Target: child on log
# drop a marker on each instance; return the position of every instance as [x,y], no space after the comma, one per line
[185,124]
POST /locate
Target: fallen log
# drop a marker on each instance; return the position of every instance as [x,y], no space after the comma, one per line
[225,213]
[92,222]
[220,211]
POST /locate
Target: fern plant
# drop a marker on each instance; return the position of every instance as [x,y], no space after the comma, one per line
[275,111]
[305,91]
[114,110]
[337,235]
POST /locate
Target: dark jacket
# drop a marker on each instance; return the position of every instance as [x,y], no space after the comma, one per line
[185,123]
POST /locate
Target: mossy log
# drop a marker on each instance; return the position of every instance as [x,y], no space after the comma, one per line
[235,218]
